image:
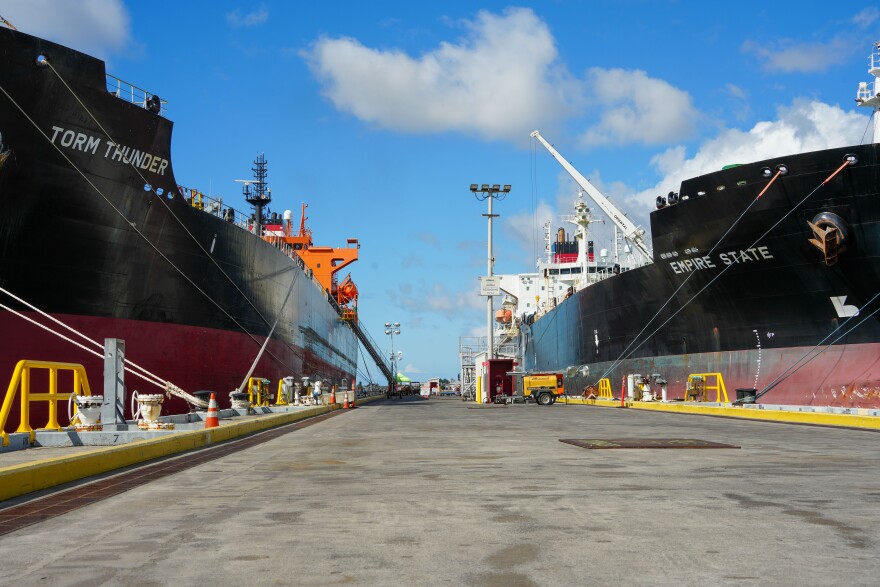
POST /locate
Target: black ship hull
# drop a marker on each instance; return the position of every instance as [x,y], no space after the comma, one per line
[94,231]
[760,305]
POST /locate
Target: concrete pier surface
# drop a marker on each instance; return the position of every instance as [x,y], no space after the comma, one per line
[439,492]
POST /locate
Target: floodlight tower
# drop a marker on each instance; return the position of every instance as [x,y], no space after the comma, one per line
[487,192]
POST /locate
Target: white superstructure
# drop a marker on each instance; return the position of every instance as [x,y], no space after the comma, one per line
[869,92]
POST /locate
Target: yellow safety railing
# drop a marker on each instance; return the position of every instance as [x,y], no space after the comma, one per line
[20,384]
[605,388]
[195,200]
[698,387]
[279,397]
[258,391]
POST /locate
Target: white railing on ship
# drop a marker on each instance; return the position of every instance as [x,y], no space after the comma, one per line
[131,93]
[868,91]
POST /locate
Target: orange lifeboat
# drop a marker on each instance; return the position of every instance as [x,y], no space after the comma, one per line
[503,316]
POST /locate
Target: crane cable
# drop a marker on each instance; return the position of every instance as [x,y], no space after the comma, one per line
[848,160]
[179,221]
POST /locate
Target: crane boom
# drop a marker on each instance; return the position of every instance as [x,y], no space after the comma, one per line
[634,234]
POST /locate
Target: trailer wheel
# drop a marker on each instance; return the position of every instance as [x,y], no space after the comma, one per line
[544,399]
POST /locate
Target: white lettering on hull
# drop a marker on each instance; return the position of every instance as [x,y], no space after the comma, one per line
[124,154]
[727,258]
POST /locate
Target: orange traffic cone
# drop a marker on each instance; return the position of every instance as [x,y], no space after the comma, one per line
[333,395]
[345,405]
[353,396]
[213,419]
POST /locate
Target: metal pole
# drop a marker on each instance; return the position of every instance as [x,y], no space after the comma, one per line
[393,364]
[112,410]
[491,352]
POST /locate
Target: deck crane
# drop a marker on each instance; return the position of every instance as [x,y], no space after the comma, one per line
[632,233]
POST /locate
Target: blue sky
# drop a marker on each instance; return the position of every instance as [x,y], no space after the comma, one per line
[380,115]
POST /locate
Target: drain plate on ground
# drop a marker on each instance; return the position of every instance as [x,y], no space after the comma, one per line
[644,443]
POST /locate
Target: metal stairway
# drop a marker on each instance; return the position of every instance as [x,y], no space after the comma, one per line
[372,348]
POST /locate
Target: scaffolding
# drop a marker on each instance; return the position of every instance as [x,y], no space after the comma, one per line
[470,347]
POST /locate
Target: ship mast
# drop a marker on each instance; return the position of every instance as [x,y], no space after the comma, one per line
[869,92]
[256,192]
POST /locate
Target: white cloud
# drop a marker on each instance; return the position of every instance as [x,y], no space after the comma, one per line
[438,299]
[527,230]
[637,108]
[866,17]
[787,56]
[236,19]
[96,27]
[500,82]
[800,127]
[410,368]
[736,91]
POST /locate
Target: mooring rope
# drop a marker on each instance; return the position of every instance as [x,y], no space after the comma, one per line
[176,218]
[268,336]
[620,358]
[795,367]
[847,161]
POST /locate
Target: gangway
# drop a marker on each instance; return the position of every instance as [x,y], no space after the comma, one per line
[372,348]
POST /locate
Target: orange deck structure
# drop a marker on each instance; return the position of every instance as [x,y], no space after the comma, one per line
[324,262]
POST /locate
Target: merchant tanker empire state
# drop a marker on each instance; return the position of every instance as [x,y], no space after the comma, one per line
[767,273]
[97,235]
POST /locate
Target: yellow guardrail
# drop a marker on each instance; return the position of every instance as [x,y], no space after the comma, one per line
[20,384]
[258,391]
[279,397]
[605,388]
[698,387]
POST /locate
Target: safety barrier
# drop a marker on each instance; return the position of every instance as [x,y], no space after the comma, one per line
[698,387]
[605,388]
[280,397]
[20,384]
[258,391]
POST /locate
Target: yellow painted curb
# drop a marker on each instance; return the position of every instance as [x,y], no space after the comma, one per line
[847,420]
[16,480]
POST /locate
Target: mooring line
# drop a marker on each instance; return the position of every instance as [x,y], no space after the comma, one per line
[848,160]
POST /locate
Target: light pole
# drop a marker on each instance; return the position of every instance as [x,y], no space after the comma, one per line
[487,192]
[392,328]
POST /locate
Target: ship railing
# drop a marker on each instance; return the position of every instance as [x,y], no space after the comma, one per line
[216,207]
[131,93]
[868,90]
[20,384]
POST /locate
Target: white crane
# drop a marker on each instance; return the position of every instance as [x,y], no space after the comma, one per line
[632,233]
